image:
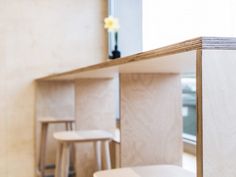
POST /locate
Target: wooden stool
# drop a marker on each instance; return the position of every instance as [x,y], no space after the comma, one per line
[66,139]
[147,171]
[43,139]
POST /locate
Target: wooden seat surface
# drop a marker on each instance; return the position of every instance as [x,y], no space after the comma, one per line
[54,120]
[147,171]
[83,135]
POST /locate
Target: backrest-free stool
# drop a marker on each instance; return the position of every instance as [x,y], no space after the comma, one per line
[147,171]
[67,138]
[43,139]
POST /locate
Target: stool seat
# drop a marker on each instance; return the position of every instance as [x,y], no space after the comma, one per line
[83,136]
[147,171]
[52,120]
[66,140]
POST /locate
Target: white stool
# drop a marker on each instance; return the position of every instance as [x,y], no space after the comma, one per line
[67,138]
[147,171]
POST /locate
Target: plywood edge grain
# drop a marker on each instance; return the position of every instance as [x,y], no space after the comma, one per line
[199,114]
[188,45]
[221,43]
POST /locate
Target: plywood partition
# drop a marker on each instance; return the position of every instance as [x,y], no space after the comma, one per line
[219,113]
[39,38]
[56,100]
[151,120]
[95,109]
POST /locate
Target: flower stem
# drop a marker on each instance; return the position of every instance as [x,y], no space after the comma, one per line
[116,40]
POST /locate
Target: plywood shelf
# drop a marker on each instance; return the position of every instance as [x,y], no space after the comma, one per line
[177,58]
[150,90]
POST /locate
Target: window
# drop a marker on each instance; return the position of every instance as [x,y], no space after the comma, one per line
[189,106]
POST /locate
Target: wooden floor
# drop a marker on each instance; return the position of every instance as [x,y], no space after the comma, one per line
[189,162]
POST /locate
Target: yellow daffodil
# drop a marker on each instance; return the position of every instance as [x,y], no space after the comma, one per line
[111,24]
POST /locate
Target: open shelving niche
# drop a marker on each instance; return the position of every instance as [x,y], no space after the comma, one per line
[150,102]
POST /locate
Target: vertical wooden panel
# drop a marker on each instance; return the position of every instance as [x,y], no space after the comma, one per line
[219,112]
[56,100]
[151,120]
[3,120]
[95,109]
[38,38]
[199,147]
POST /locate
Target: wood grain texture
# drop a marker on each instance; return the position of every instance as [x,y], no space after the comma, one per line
[147,171]
[151,120]
[95,109]
[199,148]
[38,38]
[176,63]
[3,123]
[83,136]
[54,100]
[45,123]
[218,106]
[189,45]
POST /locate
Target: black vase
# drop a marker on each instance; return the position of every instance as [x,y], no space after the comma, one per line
[115,53]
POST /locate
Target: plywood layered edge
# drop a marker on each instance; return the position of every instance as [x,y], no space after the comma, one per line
[185,46]
[199,113]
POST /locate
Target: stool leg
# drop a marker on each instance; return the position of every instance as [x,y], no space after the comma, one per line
[58,160]
[67,126]
[73,156]
[65,163]
[42,150]
[98,155]
[107,154]
[71,126]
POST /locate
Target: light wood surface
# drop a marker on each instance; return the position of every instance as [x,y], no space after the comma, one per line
[55,99]
[54,120]
[83,136]
[147,171]
[42,149]
[68,138]
[199,148]
[115,149]
[45,123]
[179,58]
[37,39]
[55,103]
[95,109]
[183,64]
[175,63]
[219,113]
[151,120]
[95,104]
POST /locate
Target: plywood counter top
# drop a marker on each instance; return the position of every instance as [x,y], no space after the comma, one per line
[176,58]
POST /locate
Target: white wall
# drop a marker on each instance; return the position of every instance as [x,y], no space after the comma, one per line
[129,14]
[167,21]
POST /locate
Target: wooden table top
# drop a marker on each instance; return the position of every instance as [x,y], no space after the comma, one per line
[147,171]
[83,135]
[175,58]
